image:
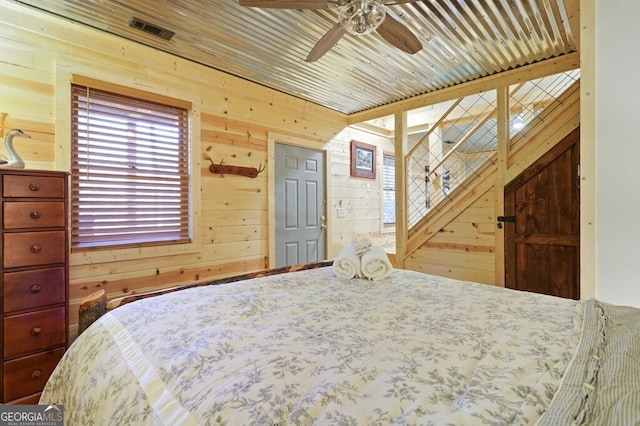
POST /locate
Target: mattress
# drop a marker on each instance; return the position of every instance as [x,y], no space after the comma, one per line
[308,348]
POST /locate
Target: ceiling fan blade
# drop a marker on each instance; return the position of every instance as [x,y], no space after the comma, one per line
[398,35]
[326,42]
[285,4]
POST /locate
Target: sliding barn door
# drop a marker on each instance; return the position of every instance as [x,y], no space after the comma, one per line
[542,224]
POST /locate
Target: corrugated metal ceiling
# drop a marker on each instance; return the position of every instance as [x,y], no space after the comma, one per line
[463,40]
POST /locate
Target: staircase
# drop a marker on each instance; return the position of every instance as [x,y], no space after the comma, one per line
[456,173]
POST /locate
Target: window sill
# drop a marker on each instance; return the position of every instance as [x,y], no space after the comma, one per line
[91,256]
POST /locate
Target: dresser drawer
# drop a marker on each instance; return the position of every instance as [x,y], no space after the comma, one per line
[34,248]
[33,186]
[33,214]
[32,289]
[28,375]
[33,331]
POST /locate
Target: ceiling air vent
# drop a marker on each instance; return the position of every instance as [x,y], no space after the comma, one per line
[150,28]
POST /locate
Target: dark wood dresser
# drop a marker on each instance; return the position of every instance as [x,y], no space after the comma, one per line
[34,281]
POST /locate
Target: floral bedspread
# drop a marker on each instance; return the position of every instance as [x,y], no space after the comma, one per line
[310,348]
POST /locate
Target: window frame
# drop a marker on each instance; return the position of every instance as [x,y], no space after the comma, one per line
[384,189]
[66,75]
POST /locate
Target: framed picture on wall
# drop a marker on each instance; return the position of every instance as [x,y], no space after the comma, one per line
[363,160]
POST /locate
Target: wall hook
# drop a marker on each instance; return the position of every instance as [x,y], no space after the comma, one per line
[226,169]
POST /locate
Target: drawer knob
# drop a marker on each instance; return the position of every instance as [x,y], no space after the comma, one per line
[35,288]
[35,331]
[36,373]
[35,214]
[36,248]
[34,186]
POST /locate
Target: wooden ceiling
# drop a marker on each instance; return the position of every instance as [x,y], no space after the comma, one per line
[462,40]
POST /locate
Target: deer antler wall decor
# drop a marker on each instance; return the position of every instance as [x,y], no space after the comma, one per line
[225,169]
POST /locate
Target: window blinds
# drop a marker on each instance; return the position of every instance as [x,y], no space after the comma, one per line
[388,189]
[130,171]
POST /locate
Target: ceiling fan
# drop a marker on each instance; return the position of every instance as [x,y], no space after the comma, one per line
[357,17]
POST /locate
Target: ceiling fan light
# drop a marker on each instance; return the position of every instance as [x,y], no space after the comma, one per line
[362,16]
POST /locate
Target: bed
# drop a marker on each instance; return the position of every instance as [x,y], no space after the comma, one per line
[307,347]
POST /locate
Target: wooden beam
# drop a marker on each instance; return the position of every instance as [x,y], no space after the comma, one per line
[501,165]
[563,63]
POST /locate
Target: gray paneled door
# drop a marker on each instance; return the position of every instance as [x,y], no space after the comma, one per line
[300,205]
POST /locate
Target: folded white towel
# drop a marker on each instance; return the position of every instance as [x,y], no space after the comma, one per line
[347,264]
[375,264]
[362,246]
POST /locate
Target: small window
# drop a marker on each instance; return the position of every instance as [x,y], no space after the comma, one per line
[388,190]
[130,170]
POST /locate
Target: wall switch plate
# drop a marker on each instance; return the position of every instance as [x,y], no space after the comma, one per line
[341,213]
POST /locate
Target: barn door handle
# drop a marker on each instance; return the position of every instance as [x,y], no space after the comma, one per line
[506,218]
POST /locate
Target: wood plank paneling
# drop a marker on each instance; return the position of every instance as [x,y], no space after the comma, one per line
[235,118]
[234,121]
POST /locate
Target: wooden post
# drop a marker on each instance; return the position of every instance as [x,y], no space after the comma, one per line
[400,143]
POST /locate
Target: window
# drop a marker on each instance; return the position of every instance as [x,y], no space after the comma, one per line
[388,189]
[129,169]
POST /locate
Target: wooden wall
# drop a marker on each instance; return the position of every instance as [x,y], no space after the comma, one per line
[232,119]
[464,248]
[239,122]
